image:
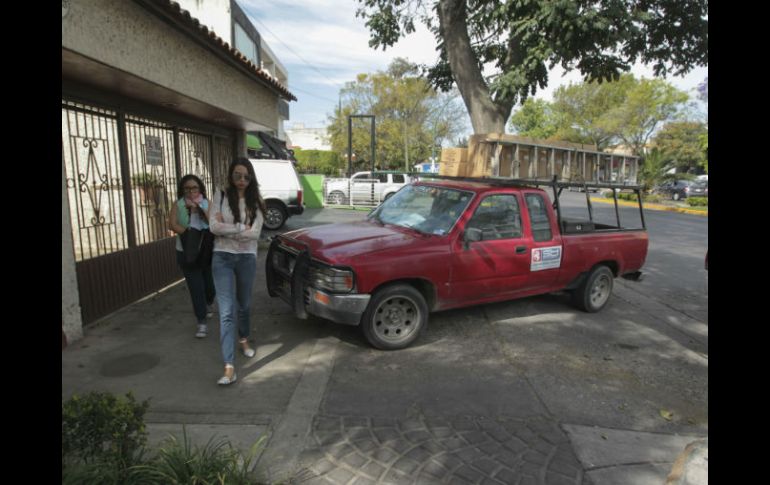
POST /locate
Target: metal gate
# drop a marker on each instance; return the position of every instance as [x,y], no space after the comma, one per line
[121,173]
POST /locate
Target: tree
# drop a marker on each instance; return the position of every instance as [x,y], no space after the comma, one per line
[655,164]
[648,103]
[411,117]
[318,161]
[521,39]
[681,141]
[535,119]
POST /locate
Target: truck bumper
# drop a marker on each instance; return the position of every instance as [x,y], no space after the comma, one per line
[286,278]
[345,309]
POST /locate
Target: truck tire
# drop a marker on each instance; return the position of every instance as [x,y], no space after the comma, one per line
[594,292]
[275,217]
[395,317]
[337,198]
[676,196]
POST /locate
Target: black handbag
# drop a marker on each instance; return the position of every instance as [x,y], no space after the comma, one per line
[192,245]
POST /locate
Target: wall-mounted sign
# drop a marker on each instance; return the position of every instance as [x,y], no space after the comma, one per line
[153,150]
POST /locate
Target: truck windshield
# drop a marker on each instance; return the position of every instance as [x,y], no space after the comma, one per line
[425,208]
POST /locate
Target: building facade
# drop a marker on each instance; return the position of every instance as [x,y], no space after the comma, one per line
[149,93]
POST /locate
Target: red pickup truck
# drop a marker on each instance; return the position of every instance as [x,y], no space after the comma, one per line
[441,244]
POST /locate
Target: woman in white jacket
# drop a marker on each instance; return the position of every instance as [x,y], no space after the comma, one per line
[236,218]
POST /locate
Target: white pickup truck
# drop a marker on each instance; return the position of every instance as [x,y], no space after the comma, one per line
[364,188]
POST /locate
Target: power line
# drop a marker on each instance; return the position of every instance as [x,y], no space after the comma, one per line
[293,52]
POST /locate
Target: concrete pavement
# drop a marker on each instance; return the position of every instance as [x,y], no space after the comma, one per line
[332,410]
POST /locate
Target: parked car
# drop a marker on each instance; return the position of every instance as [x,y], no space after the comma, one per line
[281,189]
[698,189]
[676,189]
[369,188]
[442,244]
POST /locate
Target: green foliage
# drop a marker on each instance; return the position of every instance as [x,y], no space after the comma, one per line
[411,119]
[698,201]
[653,169]
[534,119]
[102,427]
[146,179]
[319,161]
[682,141]
[103,442]
[215,462]
[520,40]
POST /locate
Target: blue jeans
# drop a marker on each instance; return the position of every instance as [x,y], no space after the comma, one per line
[200,284]
[234,276]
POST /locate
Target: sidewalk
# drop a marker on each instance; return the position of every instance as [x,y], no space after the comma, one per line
[650,206]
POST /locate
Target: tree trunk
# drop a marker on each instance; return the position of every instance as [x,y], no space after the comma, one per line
[487,116]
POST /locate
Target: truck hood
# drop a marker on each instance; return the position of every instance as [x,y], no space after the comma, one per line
[344,242]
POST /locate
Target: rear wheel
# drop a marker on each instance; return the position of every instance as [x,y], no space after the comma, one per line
[276,216]
[395,317]
[594,293]
[336,198]
[676,196]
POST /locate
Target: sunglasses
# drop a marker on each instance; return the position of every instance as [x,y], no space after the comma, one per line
[239,176]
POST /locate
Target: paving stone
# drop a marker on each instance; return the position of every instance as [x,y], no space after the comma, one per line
[354,434]
[385,455]
[508,459]
[442,432]
[323,466]
[418,436]
[340,450]
[400,446]
[326,438]
[486,466]
[463,424]
[374,470]
[468,455]
[558,479]
[383,422]
[432,448]
[406,465]
[528,480]
[418,454]
[355,460]
[490,448]
[450,462]
[453,444]
[468,473]
[365,446]
[395,477]
[339,476]
[516,445]
[475,437]
[506,476]
[386,434]
[436,469]
[363,481]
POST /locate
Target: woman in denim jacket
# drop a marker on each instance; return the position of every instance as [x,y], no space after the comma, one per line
[191,211]
[237,215]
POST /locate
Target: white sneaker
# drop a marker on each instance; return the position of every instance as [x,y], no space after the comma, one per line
[209,310]
[202,330]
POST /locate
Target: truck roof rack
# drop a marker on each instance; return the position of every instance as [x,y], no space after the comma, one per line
[529,182]
[557,187]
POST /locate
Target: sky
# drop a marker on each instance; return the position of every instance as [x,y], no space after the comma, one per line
[323,45]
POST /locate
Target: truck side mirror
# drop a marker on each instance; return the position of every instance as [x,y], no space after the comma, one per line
[472,234]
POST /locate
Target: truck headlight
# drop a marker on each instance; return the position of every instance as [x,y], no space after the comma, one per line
[331,279]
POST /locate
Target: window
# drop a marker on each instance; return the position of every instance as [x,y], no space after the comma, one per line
[498,217]
[244,44]
[538,215]
[398,178]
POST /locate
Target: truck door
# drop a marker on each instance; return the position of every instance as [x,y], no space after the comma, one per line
[545,251]
[363,186]
[498,264]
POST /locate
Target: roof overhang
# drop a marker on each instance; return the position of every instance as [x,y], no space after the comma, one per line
[85,71]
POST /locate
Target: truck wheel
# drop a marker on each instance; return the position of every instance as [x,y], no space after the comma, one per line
[276,216]
[337,198]
[595,291]
[676,196]
[395,317]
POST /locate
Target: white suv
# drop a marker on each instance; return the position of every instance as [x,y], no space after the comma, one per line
[281,189]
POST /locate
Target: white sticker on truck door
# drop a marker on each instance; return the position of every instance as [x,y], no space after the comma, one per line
[545,258]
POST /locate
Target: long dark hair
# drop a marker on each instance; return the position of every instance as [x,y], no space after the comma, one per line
[180,186]
[252,195]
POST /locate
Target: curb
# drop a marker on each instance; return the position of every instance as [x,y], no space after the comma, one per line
[658,207]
